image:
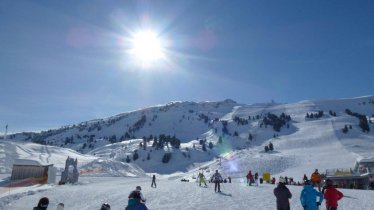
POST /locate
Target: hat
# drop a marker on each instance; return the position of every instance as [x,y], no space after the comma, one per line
[138,188]
[105,206]
[328,182]
[282,180]
[43,202]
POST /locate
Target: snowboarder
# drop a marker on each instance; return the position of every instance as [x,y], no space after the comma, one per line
[331,195]
[201,178]
[153,180]
[60,206]
[308,197]
[136,200]
[217,178]
[249,178]
[105,206]
[316,179]
[283,194]
[42,204]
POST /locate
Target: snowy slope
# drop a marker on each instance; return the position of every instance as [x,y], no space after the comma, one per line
[169,194]
[300,147]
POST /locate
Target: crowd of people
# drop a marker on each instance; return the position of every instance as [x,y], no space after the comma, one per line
[310,198]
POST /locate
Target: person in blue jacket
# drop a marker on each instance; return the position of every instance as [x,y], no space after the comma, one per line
[308,197]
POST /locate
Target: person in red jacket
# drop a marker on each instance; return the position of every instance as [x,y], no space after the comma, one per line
[250,178]
[332,195]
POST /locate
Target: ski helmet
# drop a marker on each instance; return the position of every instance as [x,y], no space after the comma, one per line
[138,188]
[328,182]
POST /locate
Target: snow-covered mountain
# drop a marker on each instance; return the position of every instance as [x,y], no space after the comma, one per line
[195,133]
[206,136]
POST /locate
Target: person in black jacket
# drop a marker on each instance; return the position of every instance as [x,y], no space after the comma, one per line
[283,194]
[153,180]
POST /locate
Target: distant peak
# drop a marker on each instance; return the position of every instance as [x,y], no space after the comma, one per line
[229,101]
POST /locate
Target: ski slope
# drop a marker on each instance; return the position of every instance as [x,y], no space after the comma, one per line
[306,144]
[91,192]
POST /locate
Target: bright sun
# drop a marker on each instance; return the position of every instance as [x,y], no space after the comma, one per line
[147,47]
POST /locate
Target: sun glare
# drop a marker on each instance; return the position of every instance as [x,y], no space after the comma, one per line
[147,48]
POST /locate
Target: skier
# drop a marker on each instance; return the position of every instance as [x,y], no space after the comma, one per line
[316,179]
[332,195]
[136,200]
[308,197]
[105,206]
[249,178]
[256,178]
[153,180]
[229,179]
[60,206]
[283,194]
[201,178]
[217,178]
[42,204]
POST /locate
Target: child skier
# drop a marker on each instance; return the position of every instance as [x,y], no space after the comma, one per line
[201,178]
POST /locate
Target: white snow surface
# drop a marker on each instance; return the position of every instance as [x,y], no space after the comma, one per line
[106,177]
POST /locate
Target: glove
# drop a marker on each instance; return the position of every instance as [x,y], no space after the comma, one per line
[318,203]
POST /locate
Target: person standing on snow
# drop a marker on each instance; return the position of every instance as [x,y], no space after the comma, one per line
[217,179]
[331,195]
[153,180]
[256,178]
[316,179]
[283,194]
[201,178]
[308,197]
[249,178]
[305,178]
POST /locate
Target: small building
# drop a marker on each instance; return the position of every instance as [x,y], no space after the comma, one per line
[24,169]
[360,177]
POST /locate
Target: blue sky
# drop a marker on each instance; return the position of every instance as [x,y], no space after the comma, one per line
[63,62]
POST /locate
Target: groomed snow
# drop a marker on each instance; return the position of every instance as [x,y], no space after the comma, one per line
[91,192]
